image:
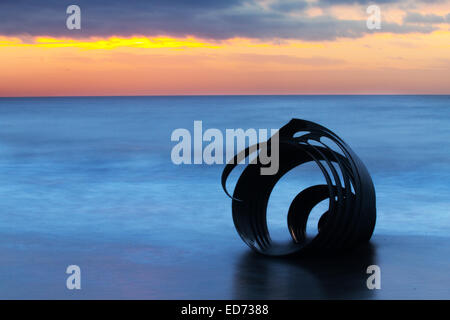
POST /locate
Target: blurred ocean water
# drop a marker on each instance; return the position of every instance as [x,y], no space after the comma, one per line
[83,173]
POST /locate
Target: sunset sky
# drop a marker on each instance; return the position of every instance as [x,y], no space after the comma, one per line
[179,47]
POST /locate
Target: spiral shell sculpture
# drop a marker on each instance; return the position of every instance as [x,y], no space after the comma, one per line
[350,218]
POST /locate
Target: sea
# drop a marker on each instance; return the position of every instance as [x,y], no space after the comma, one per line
[90,181]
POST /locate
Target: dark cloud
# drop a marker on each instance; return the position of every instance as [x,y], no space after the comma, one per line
[378,2]
[289,5]
[414,17]
[212,19]
[334,2]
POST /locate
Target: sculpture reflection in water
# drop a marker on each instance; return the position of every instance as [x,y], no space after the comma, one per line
[350,218]
[333,276]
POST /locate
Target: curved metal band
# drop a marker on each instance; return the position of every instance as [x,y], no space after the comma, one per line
[351,215]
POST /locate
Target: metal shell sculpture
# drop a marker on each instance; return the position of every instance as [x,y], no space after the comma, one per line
[350,218]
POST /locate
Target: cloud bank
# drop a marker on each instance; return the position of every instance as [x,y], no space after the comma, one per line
[207,19]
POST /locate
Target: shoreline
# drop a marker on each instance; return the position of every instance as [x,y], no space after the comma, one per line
[412,267]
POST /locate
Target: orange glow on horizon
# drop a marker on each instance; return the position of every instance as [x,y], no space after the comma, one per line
[376,63]
[109,43]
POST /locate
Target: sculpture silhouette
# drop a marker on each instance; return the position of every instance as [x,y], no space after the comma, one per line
[350,218]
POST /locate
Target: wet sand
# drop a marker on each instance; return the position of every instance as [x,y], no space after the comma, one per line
[34,268]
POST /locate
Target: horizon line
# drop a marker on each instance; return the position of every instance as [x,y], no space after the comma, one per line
[227,95]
